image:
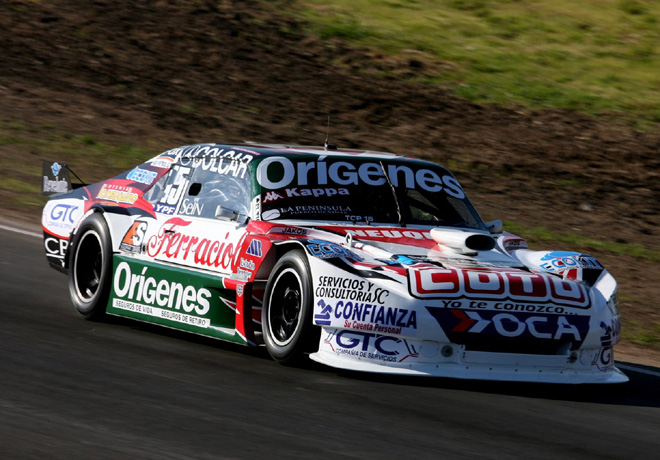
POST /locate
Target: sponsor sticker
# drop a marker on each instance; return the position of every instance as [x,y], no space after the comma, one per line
[495,284]
[366,316]
[604,359]
[354,289]
[134,237]
[560,261]
[177,242]
[213,158]
[191,207]
[117,194]
[367,345]
[56,247]
[327,250]
[161,313]
[610,332]
[139,291]
[55,178]
[163,162]
[458,323]
[276,173]
[61,216]
[514,243]
[254,249]
[296,192]
[143,176]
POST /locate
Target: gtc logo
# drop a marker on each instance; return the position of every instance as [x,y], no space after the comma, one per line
[63,213]
[457,323]
[371,346]
[349,339]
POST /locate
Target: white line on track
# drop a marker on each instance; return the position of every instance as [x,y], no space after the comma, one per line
[626,367]
[18,230]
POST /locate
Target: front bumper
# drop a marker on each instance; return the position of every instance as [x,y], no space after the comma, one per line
[368,352]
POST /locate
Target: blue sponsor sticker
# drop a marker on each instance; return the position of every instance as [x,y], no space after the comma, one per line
[254,249]
[142,176]
[327,250]
[459,325]
[560,261]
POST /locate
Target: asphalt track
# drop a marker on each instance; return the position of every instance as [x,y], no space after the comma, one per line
[71,388]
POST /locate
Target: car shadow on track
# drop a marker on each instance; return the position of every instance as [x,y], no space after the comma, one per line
[640,391]
[144,327]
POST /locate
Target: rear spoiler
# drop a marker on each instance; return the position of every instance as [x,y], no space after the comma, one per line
[56,179]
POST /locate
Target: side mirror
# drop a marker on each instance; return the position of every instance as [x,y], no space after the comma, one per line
[495,226]
[229,214]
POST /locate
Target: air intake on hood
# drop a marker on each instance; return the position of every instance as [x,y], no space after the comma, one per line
[463,241]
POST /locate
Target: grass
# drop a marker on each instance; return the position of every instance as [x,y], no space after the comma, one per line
[27,146]
[47,143]
[567,54]
[643,334]
[579,242]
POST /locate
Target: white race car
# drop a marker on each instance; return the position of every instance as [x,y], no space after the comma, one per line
[359,260]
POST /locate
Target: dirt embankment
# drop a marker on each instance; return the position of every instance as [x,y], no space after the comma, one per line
[163,73]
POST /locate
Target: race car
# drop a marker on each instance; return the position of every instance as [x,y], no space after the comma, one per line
[359,260]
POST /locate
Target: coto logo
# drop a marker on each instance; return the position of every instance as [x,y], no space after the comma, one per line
[517,285]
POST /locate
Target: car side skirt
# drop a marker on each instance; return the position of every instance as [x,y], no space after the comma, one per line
[179,298]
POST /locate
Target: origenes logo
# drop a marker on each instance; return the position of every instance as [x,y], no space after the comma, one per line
[163,293]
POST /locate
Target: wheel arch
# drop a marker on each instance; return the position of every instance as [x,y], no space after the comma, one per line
[117,219]
[305,337]
[276,252]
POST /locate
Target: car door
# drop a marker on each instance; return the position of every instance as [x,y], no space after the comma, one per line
[202,216]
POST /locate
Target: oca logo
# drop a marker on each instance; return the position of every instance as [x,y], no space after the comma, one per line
[457,324]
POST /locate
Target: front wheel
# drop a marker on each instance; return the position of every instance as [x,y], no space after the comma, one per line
[286,315]
[90,267]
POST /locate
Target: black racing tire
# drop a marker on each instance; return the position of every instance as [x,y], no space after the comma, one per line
[90,267]
[286,314]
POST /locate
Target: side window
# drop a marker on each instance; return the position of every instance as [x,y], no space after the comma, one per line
[215,195]
[166,193]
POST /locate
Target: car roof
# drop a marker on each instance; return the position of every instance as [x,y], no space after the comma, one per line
[261,151]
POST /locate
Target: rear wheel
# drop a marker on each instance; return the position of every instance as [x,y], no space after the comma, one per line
[286,315]
[90,267]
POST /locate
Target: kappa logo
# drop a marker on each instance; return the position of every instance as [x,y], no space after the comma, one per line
[272,196]
[254,249]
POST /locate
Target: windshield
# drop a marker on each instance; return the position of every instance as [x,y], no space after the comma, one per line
[368,191]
